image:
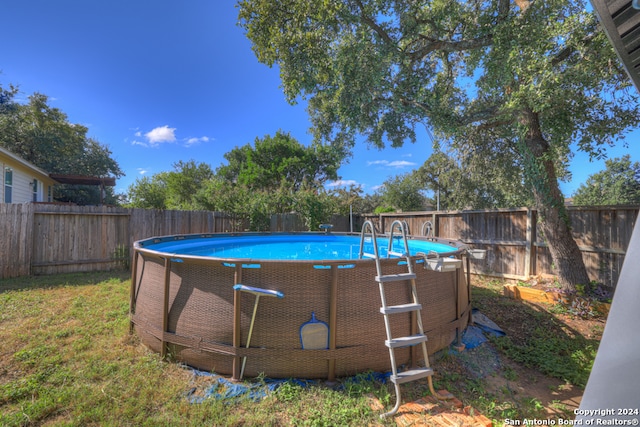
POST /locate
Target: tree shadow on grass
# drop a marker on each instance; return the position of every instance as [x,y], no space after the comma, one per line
[61,280]
[538,339]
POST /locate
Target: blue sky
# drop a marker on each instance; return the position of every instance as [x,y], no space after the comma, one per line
[163,81]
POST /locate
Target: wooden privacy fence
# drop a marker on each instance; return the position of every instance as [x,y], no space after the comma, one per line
[515,246]
[49,239]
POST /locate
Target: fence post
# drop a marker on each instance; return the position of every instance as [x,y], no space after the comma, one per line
[529,244]
[435,232]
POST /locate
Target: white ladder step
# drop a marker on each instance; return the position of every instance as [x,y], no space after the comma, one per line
[406,341]
[402,308]
[395,277]
[368,255]
[398,254]
[411,375]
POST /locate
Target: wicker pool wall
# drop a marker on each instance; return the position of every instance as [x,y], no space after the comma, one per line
[186,306]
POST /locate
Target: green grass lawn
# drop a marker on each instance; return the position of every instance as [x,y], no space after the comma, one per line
[67,359]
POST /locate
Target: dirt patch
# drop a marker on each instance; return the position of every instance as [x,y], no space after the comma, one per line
[514,384]
[558,398]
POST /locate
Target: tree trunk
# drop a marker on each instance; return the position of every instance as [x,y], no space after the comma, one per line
[549,201]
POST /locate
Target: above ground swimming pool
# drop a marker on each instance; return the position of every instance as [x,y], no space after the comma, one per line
[183,301]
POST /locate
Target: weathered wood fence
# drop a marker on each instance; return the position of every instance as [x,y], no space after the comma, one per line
[515,246]
[48,239]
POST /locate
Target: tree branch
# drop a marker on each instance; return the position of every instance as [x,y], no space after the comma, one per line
[565,53]
[373,25]
[432,44]
[503,10]
[484,115]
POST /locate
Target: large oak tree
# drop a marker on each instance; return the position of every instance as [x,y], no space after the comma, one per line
[530,79]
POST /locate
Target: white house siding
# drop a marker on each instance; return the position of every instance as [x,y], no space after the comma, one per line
[22,187]
[23,175]
[22,190]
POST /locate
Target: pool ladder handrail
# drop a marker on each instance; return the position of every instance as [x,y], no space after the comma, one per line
[414,307]
[427,229]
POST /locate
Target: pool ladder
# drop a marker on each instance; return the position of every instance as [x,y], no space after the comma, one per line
[413,307]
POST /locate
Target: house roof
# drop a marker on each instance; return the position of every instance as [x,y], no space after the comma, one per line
[621,22]
[60,178]
[108,181]
[24,163]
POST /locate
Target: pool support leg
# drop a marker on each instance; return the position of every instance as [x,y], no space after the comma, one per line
[237,316]
[333,316]
[165,306]
[132,296]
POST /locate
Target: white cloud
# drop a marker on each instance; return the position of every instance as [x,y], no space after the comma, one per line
[401,164]
[192,141]
[161,134]
[395,164]
[142,171]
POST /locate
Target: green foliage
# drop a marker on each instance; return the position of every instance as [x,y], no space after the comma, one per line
[586,301]
[348,199]
[469,69]
[369,203]
[148,193]
[472,183]
[274,161]
[176,189]
[316,207]
[557,357]
[185,181]
[383,209]
[536,337]
[276,175]
[618,184]
[122,256]
[404,193]
[43,136]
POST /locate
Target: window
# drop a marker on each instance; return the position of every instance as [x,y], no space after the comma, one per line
[8,184]
[35,190]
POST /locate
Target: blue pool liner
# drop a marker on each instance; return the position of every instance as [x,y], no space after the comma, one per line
[476,333]
[224,389]
[486,324]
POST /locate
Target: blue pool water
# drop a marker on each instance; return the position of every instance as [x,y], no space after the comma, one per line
[303,247]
